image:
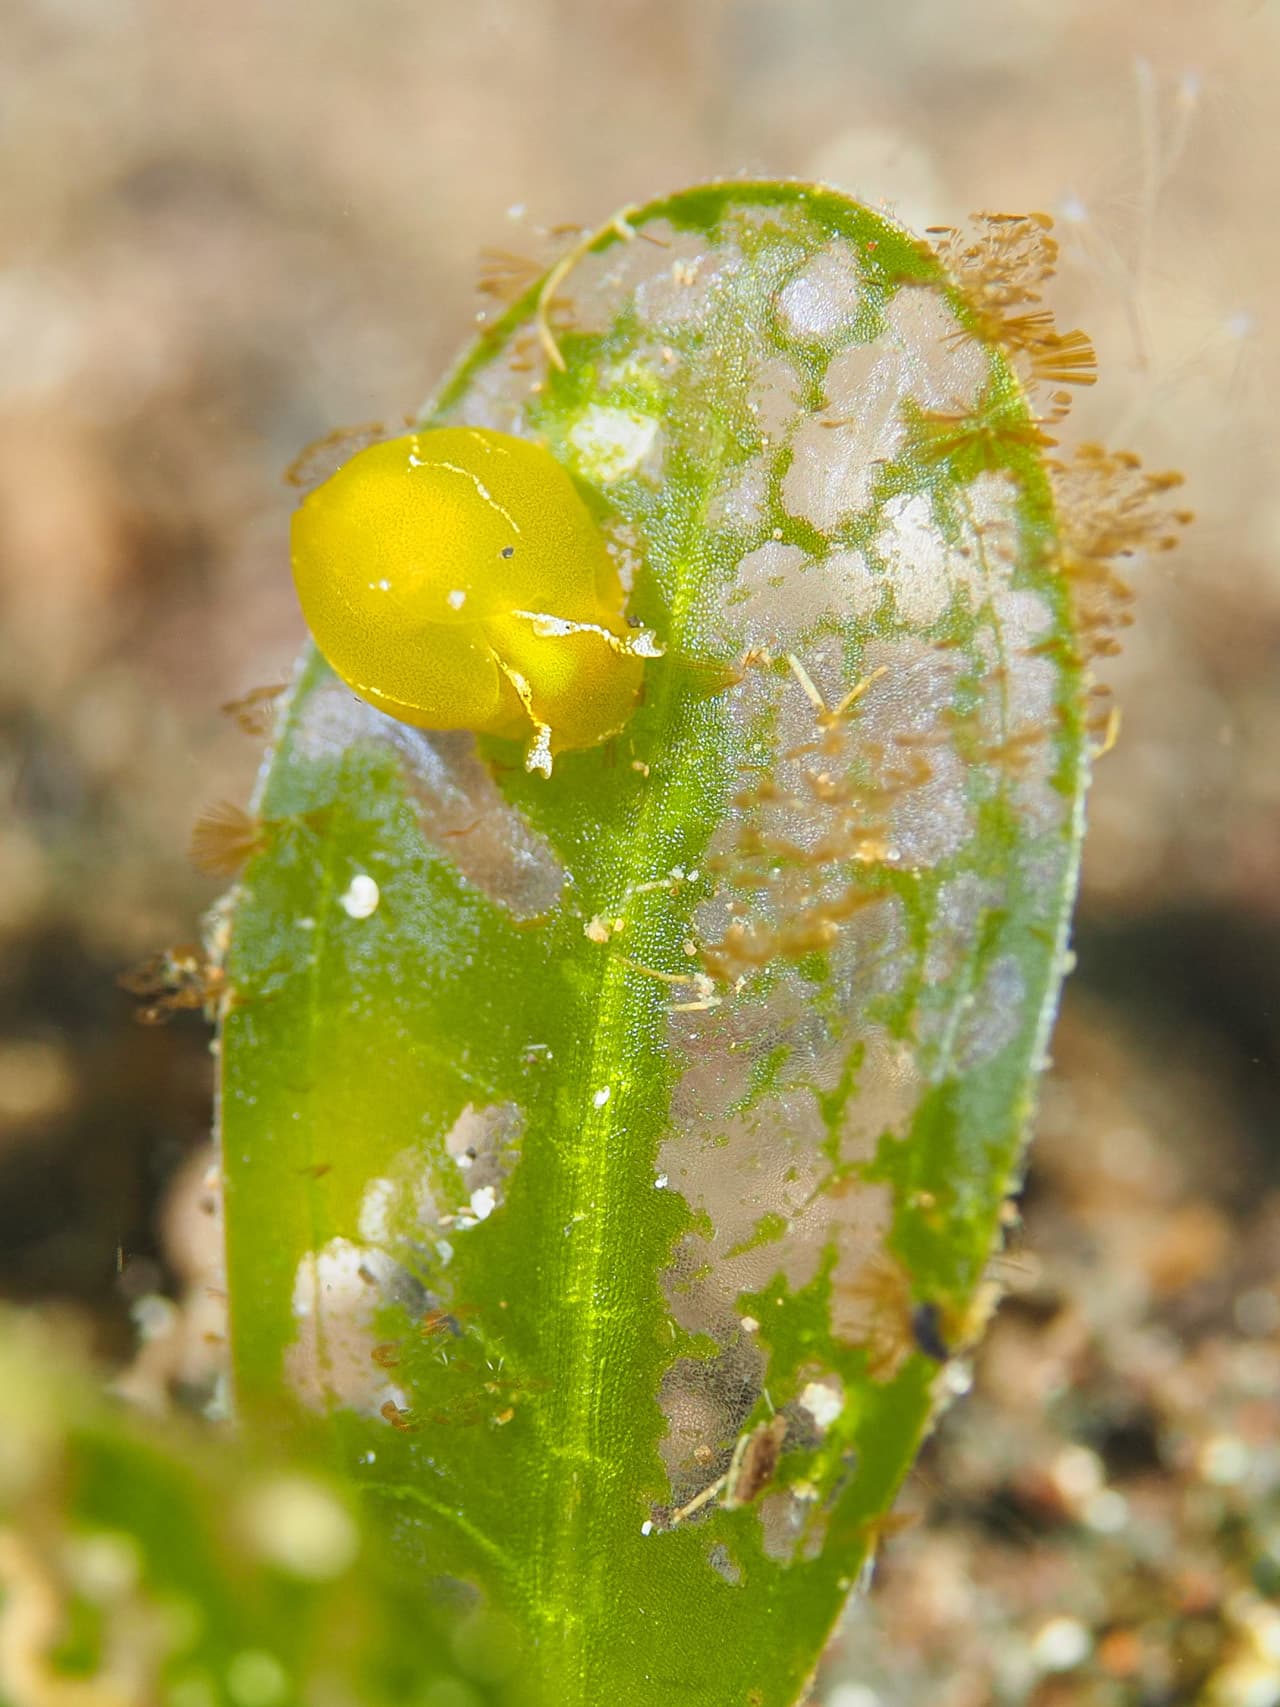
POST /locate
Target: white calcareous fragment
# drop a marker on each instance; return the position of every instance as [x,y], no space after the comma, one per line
[1061,1644]
[361,896]
[484,1202]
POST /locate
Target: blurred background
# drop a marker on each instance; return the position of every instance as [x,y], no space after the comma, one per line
[227,229]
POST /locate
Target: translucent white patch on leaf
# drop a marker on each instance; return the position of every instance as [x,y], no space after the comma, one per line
[989,507]
[946,368]
[706,1402]
[777,398]
[459,806]
[994,1017]
[855,586]
[792,1528]
[741,501]
[909,723]
[1018,715]
[484,1144]
[723,1564]
[960,911]
[822,299]
[611,443]
[774,1188]
[683,293]
[915,554]
[918,359]
[836,456]
[407,1211]
[375,1211]
[337,1292]
[669,275]
[780,597]
[589,297]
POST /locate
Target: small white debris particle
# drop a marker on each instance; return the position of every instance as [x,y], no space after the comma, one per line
[154,1316]
[217,1408]
[361,898]
[957,1379]
[660,1184]
[646,1528]
[750,1325]
[852,1694]
[601,1097]
[104,1567]
[301,1527]
[1107,1512]
[484,1201]
[1223,1460]
[597,929]
[1078,1474]
[823,1403]
[1061,1644]
[456,599]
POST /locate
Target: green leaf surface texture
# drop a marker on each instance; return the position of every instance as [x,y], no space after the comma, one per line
[611,1200]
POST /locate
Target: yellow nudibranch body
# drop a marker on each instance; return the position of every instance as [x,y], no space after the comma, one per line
[455,579]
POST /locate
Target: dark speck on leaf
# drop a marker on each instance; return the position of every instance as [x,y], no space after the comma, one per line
[508,551]
[926,1325]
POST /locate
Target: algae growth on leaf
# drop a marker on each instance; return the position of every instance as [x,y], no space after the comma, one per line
[610,1193]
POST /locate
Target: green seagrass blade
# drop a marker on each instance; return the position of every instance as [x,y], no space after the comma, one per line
[610,1183]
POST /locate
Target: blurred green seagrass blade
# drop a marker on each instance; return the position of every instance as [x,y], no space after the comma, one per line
[612,1196]
[149,1563]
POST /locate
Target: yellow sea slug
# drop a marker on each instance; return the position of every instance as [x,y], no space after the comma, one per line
[455,579]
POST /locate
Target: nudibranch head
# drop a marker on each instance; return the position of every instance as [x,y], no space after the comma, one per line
[455,579]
